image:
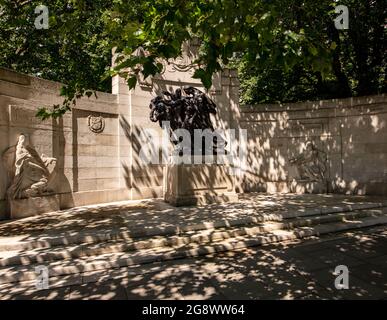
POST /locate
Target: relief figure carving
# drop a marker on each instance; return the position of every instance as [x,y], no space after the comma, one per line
[311,163]
[31,175]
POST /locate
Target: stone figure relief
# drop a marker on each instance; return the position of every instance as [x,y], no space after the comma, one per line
[311,163]
[96,124]
[31,175]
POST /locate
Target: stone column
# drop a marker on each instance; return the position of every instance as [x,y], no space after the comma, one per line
[140,179]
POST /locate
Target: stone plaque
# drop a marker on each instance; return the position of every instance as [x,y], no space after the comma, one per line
[26,117]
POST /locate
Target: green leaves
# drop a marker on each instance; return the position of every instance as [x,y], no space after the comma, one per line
[313,50]
[283,46]
[132,81]
[149,68]
[204,76]
[42,113]
[54,112]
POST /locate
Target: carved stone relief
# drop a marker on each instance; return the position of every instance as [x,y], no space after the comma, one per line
[311,163]
[31,175]
[96,124]
[185,62]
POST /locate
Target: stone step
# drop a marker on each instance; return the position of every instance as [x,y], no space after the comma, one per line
[80,266]
[18,243]
[46,255]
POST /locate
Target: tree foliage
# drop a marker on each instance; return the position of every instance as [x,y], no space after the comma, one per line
[285,50]
[74,50]
[357,59]
[260,31]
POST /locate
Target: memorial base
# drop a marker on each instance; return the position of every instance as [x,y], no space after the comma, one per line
[22,208]
[302,187]
[198,184]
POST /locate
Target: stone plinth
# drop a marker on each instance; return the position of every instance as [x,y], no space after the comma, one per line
[301,186]
[22,208]
[196,184]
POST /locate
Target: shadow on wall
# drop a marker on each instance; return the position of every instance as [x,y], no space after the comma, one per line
[145,180]
[62,183]
[3,188]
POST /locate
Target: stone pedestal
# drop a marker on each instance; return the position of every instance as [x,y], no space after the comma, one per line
[197,184]
[22,208]
[302,186]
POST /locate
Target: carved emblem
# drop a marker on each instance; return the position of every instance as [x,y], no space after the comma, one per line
[185,62]
[96,124]
[311,163]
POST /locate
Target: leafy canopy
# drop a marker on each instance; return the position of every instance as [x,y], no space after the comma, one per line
[357,59]
[284,49]
[260,31]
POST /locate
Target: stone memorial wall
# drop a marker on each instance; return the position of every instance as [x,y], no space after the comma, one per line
[326,146]
[97,145]
[87,169]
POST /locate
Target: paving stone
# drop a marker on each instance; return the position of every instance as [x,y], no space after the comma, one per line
[15,293]
[374,274]
[358,288]
[313,296]
[296,269]
[258,274]
[363,251]
[333,257]
[301,261]
[275,285]
[109,290]
[382,261]
[156,287]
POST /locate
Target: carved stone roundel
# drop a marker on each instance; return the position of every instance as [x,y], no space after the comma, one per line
[96,124]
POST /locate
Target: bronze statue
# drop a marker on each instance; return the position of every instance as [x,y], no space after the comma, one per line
[188,109]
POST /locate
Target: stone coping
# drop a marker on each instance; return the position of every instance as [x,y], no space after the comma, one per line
[315,105]
[48,86]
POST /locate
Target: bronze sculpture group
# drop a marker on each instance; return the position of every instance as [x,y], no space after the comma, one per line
[187,108]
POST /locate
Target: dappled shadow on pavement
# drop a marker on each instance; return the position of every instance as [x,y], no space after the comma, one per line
[296,270]
[157,214]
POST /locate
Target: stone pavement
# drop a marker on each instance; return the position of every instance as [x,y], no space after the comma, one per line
[291,270]
[156,214]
